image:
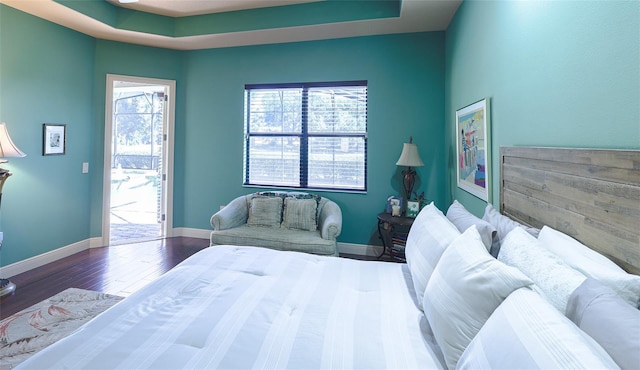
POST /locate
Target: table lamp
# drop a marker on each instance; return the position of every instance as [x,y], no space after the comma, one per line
[409,158]
[7,150]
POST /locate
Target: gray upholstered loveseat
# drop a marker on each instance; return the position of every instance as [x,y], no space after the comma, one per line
[280,220]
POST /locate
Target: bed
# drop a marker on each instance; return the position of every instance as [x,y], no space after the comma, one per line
[237,307]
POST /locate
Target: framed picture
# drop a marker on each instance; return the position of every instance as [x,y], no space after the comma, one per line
[413,208]
[473,149]
[54,139]
[394,205]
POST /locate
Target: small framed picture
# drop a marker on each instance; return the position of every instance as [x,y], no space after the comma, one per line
[413,208]
[54,139]
[394,205]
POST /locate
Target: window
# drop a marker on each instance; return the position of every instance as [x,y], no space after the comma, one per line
[310,136]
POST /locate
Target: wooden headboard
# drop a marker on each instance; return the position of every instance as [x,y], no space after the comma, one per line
[592,195]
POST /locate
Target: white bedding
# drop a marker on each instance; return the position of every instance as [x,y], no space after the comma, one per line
[245,307]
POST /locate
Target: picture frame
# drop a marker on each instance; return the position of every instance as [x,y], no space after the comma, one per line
[54,139]
[413,208]
[394,201]
[473,149]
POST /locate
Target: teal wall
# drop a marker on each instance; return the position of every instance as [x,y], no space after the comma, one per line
[46,76]
[405,75]
[558,73]
[52,74]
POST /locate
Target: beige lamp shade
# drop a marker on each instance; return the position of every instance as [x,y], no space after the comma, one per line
[7,148]
[410,156]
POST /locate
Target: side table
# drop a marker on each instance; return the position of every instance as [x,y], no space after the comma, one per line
[393,232]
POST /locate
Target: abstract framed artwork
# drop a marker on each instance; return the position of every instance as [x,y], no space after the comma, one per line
[473,149]
[54,139]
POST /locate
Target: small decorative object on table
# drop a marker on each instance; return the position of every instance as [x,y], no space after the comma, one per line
[413,208]
[394,205]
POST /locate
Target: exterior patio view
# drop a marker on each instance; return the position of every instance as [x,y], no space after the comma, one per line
[136,164]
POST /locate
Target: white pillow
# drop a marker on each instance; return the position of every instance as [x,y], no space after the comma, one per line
[430,234]
[466,287]
[463,219]
[526,332]
[592,264]
[554,277]
[503,225]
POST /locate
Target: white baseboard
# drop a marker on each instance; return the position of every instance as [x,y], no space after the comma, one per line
[192,233]
[96,242]
[44,258]
[359,249]
[54,255]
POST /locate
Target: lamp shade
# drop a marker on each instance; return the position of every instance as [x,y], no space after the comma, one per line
[410,156]
[7,148]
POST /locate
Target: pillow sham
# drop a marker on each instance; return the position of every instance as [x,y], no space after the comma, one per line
[265,211]
[463,219]
[467,285]
[592,264]
[555,278]
[503,225]
[526,332]
[300,214]
[608,319]
[430,234]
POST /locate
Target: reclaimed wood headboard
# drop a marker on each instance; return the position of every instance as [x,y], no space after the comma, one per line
[592,195]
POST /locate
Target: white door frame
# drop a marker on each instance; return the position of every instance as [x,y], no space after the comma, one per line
[167,147]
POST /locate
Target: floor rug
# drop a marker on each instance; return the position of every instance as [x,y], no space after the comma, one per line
[34,328]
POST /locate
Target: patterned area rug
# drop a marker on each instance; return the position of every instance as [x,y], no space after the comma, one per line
[34,328]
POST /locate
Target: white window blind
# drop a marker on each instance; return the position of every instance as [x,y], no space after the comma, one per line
[306,135]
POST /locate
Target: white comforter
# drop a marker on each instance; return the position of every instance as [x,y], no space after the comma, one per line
[245,307]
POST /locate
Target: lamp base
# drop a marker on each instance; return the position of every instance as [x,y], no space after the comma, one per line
[408,180]
[6,287]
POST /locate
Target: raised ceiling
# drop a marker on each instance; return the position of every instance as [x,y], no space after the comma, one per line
[182,8]
[203,24]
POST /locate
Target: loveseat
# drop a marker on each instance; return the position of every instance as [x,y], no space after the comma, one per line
[291,221]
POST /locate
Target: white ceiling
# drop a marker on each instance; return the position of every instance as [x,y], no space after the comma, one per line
[415,16]
[181,8]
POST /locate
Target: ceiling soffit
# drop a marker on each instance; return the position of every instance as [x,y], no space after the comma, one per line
[306,21]
[297,15]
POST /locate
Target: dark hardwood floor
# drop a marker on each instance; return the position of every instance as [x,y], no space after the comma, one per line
[118,270]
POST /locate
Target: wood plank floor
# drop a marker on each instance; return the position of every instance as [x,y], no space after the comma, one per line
[119,270]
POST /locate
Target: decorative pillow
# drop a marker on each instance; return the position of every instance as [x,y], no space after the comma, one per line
[592,264]
[430,234]
[265,211]
[608,319]
[503,225]
[269,194]
[555,278]
[300,214]
[467,285]
[526,332]
[300,195]
[463,219]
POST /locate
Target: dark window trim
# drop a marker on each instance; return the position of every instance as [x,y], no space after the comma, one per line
[304,134]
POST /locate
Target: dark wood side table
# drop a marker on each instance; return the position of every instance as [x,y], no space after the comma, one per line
[393,232]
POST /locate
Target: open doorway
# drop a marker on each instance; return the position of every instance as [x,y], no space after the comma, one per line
[138,159]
